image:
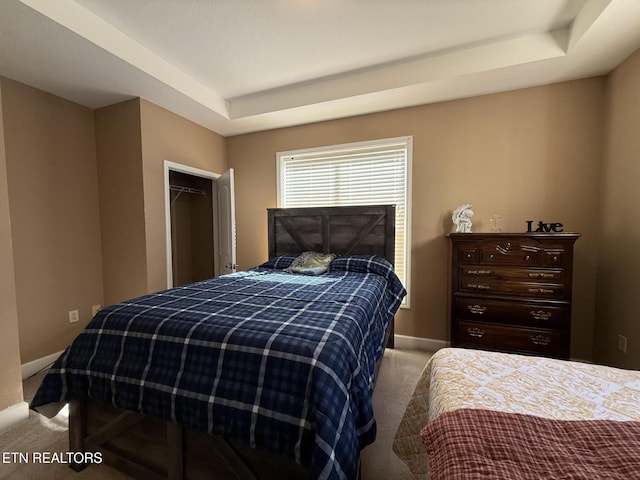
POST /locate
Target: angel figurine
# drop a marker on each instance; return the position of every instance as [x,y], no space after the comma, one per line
[462,218]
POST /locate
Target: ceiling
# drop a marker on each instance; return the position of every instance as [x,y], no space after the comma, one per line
[238,66]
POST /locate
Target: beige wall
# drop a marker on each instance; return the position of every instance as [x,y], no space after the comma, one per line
[167,136]
[119,153]
[134,139]
[531,154]
[55,218]
[11,391]
[619,258]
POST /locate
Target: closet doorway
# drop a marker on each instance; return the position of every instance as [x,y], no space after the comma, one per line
[200,224]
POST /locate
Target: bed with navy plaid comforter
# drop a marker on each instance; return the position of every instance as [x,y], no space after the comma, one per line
[280,361]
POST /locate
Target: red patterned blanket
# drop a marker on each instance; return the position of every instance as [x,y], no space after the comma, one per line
[485,444]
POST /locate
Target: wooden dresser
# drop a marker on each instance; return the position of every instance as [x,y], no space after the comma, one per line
[512,292]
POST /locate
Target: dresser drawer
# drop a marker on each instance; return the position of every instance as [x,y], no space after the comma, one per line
[522,289]
[468,254]
[509,252]
[510,338]
[552,258]
[519,252]
[474,272]
[516,313]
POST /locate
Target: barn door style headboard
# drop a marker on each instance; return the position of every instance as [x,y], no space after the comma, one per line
[364,230]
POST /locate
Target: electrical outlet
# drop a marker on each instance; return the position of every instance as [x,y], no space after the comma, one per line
[74,316]
[95,309]
[622,343]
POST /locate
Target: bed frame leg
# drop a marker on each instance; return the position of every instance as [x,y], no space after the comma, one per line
[77,430]
[175,440]
[391,335]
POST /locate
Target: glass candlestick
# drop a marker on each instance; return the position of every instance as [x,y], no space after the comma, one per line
[496,223]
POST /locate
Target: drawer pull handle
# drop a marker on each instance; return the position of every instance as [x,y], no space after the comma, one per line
[540,314]
[478,286]
[478,272]
[541,275]
[476,332]
[541,290]
[540,340]
[503,250]
[476,309]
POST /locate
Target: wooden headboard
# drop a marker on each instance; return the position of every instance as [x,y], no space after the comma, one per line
[364,230]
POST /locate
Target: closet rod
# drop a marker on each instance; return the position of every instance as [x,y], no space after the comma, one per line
[181,189]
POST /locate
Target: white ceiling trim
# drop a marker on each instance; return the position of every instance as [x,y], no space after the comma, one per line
[83,22]
[585,19]
[470,60]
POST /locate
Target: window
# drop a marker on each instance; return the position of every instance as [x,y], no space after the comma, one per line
[366,173]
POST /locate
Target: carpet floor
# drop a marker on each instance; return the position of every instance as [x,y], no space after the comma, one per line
[397,378]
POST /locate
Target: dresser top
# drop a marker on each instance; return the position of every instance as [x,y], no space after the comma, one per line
[535,235]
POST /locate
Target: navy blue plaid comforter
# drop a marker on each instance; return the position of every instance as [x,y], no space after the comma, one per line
[282,362]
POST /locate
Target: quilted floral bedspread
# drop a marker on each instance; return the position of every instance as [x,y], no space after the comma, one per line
[556,389]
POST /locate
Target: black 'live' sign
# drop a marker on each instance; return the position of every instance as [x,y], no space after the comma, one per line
[544,227]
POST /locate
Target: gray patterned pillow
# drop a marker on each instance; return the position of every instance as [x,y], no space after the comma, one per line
[311,263]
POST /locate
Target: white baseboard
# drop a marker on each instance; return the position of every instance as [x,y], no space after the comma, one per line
[31,368]
[419,343]
[12,415]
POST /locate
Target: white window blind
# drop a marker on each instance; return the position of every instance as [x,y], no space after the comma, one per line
[368,173]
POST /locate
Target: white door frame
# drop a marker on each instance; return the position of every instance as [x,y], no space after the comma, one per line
[177,167]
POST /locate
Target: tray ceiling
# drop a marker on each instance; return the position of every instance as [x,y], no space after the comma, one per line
[236,66]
